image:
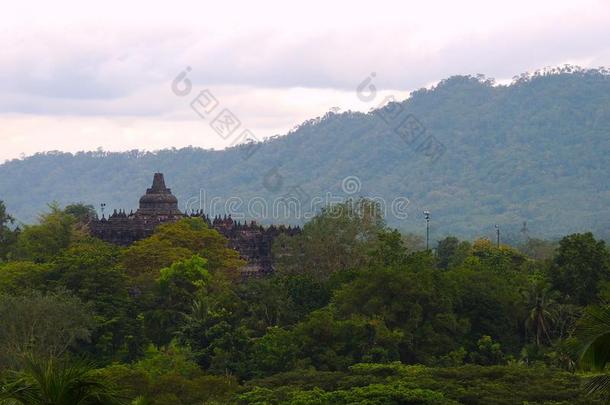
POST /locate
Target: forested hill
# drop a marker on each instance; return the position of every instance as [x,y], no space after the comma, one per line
[535,151]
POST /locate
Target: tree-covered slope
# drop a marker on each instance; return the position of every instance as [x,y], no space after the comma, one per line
[535,151]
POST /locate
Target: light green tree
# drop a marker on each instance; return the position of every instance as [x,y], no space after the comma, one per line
[54,232]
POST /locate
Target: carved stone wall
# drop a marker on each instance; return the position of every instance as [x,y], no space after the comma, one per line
[159,205]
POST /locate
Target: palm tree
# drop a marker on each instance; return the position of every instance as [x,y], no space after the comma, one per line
[538,321]
[594,333]
[52,382]
[540,314]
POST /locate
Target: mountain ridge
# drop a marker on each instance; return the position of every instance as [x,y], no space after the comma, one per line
[534,151]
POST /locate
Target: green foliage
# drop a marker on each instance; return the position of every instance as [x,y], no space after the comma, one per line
[543,312]
[213,331]
[42,325]
[8,236]
[389,250]
[353,303]
[41,242]
[503,258]
[451,252]
[90,270]
[179,282]
[174,359]
[276,301]
[83,213]
[581,264]
[179,241]
[194,235]
[20,277]
[169,377]
[328,343]
[273,353]
[594,333]
[489,301]
[504,385]
[488,353]
[177,286]
[371,394]
[336,240]
[168,268]
[410,302]
[52,382]
[306,293]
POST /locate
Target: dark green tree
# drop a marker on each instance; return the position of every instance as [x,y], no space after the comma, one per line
[8,236]
[413,301]
[389,250]
[83,213]
[90,270]
[451,252]
[579,268]
[336,240]
[176,289]
[42,325]
[541,316]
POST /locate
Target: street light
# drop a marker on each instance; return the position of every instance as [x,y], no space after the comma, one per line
[427,216]
[498,235]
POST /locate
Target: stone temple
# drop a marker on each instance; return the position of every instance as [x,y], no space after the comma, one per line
[159,205]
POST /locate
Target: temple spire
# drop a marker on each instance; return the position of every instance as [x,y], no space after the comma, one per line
[158,186]
[158,199]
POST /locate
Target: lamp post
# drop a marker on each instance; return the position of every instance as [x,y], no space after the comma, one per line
[498,235]
[427,216]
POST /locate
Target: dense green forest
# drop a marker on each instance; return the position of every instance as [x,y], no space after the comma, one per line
[356,313]
[534,151]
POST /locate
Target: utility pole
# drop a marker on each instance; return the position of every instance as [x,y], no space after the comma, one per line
[427,216]
[498,235]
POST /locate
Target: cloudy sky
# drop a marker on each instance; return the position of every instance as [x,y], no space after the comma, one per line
[76,76]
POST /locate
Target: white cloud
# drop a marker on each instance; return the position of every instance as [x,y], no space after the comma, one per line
[93,75]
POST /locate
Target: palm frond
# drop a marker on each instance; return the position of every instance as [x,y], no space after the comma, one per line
[599,384]
[594,332]
[49,381]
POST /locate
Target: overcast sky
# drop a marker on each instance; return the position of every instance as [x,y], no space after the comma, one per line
[77,76]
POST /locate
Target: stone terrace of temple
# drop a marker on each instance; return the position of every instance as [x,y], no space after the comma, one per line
[159,205]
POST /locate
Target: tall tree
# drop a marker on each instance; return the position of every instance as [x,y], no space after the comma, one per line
[337,239]
[90,270]
[8,236]
[54,232]
[579,268]
[83,213]
[539,299]
[451,252]
[175,292]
